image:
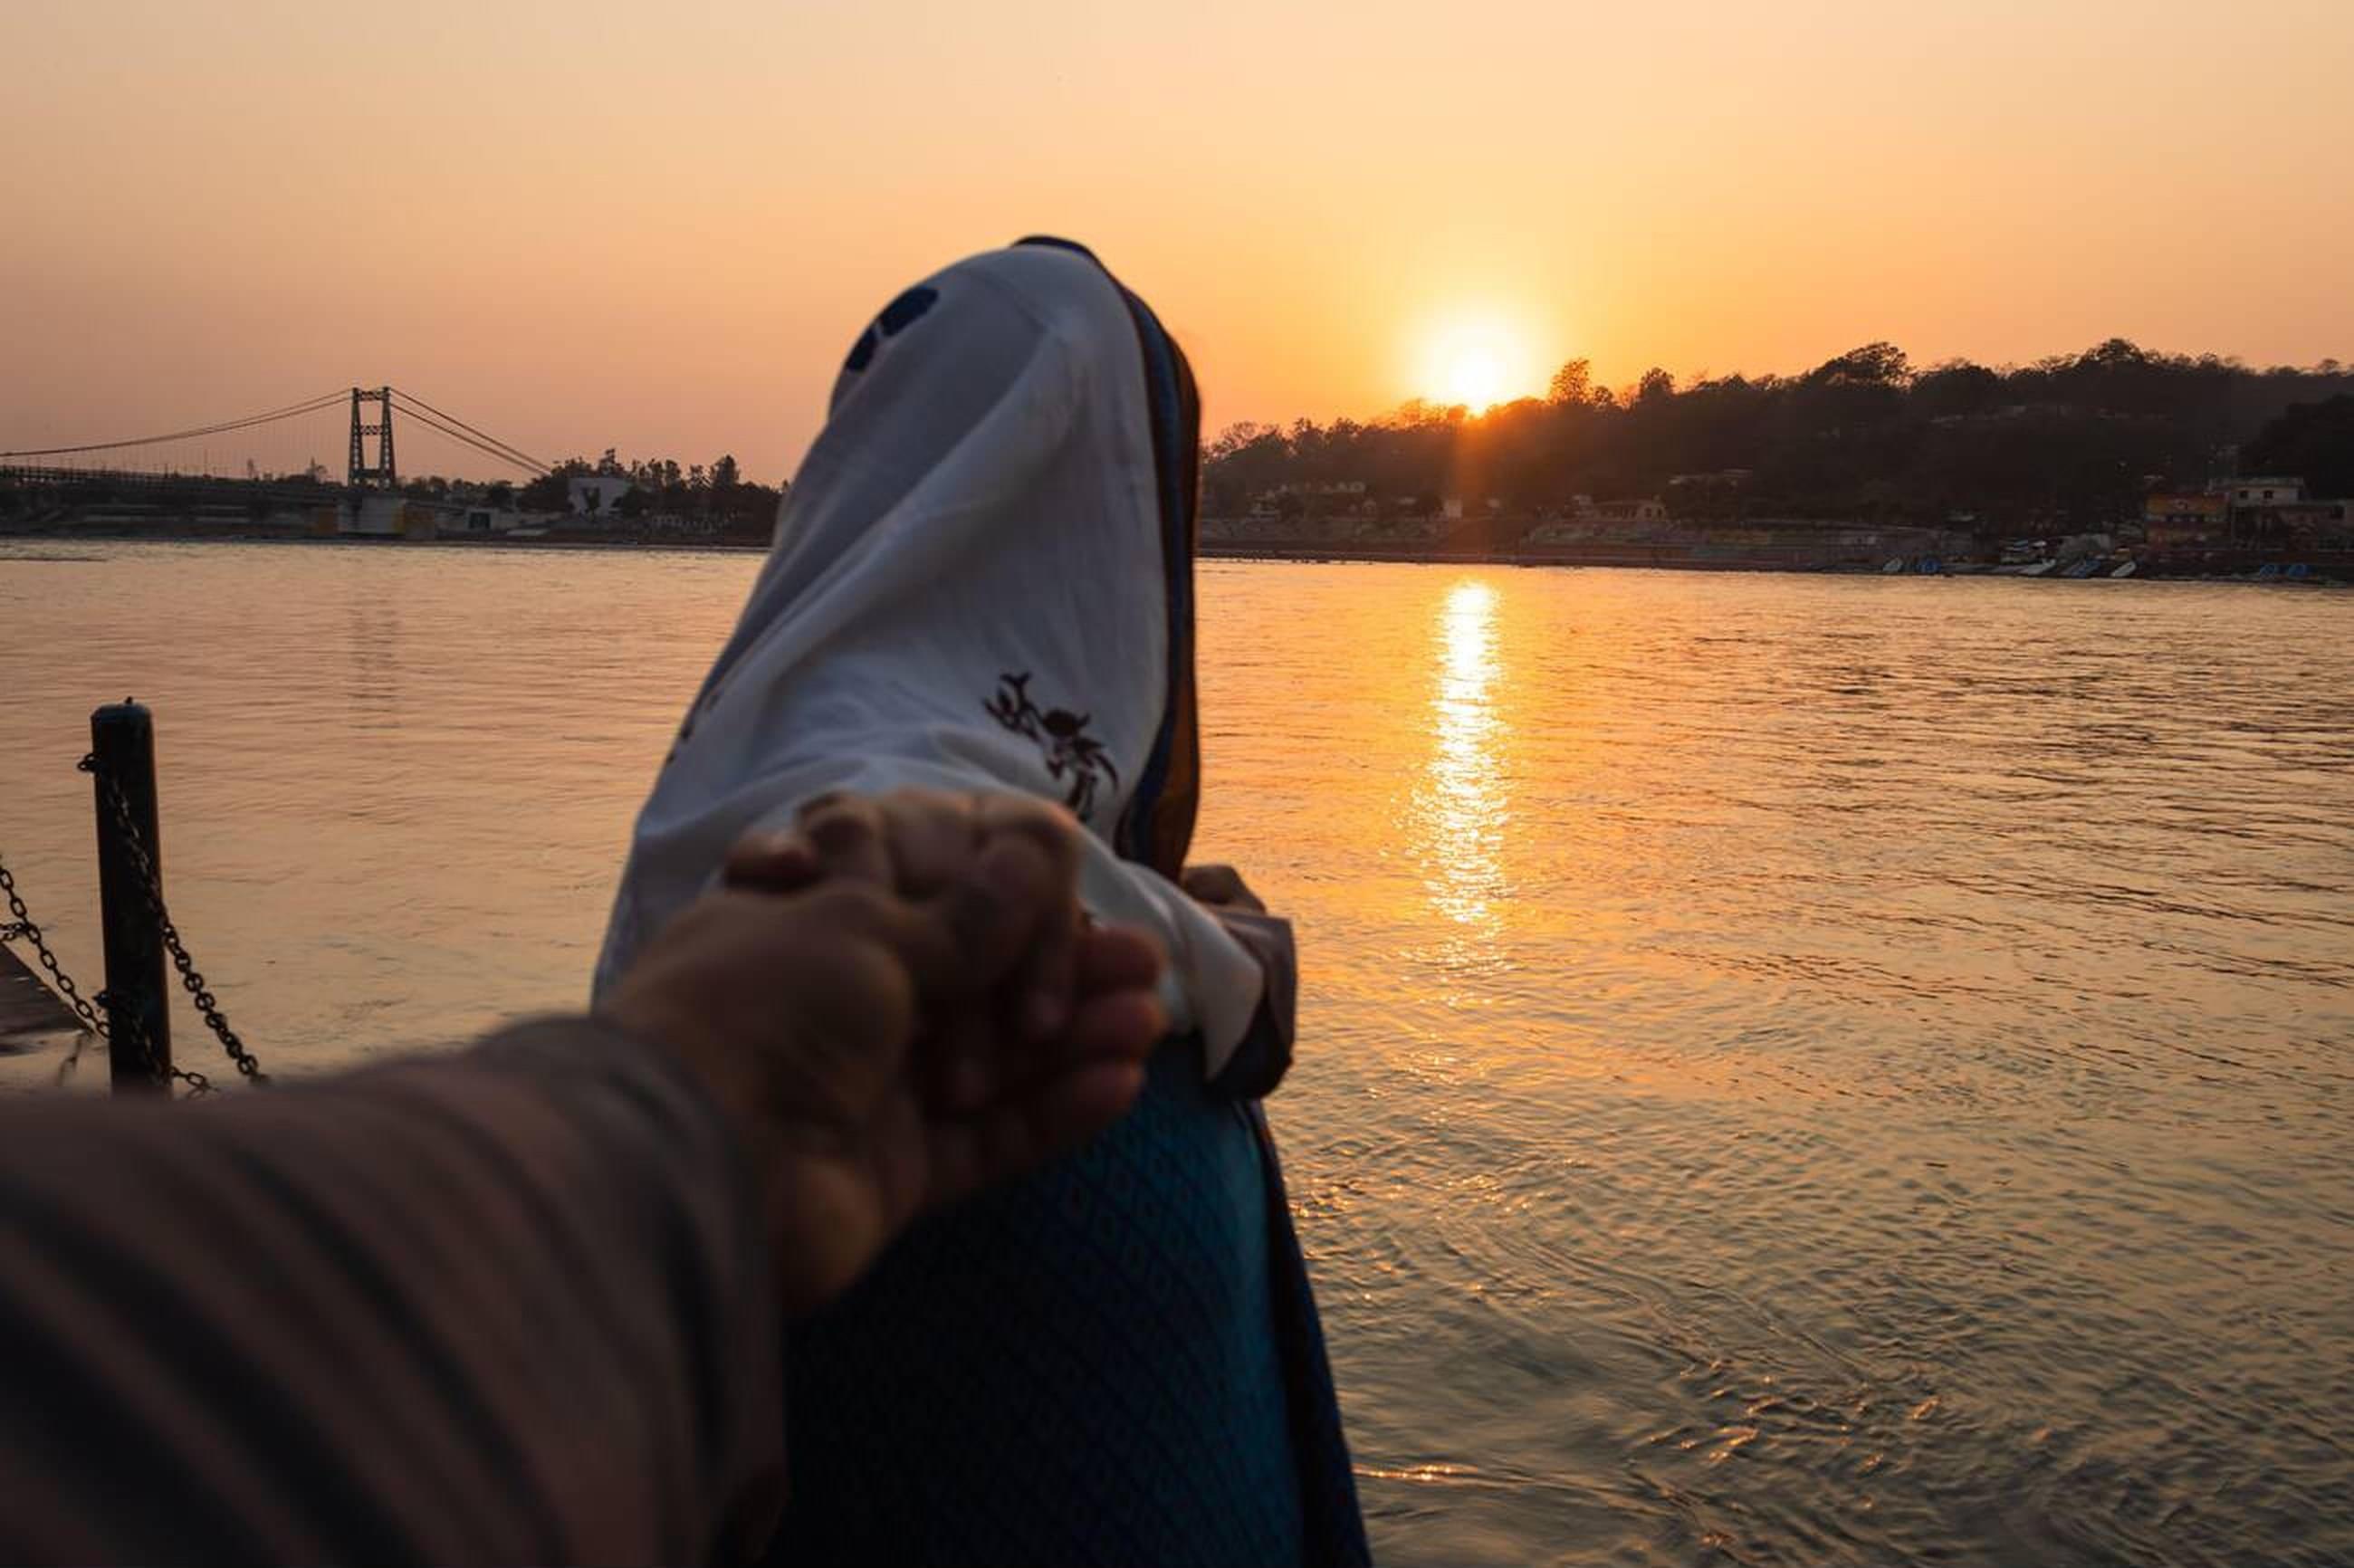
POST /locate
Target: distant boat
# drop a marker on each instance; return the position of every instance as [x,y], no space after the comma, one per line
[2127,570]
[2083,569]
[1930,566]
[1892,568]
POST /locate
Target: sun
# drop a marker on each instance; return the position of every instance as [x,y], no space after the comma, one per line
[1475,363]
[1474,377]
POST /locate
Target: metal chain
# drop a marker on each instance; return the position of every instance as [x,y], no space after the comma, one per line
[21,925]
[191,979]
[197,1082]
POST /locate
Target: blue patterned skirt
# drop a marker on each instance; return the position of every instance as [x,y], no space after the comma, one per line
[1115,1361]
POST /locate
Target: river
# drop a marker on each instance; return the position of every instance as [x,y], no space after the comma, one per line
[1794,1070]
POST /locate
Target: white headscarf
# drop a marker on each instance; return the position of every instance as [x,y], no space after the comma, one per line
[981,579]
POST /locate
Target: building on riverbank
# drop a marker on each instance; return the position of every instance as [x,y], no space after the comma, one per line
[2266,490]
[1647,509]
[2177,519]
[596,494]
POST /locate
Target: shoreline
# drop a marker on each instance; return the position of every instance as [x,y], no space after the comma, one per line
[2326,568]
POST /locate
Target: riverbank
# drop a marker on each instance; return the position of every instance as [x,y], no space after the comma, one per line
[1867,555]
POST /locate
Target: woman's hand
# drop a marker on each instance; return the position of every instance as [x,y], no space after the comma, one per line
[849,1032]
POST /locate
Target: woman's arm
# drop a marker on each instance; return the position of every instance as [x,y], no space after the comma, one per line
[1260,1062]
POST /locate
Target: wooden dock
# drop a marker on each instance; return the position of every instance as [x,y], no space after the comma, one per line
[31,1014]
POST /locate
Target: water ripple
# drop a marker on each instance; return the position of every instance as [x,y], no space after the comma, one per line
[1793,1070]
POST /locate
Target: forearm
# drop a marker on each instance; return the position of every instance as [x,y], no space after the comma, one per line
[1260,1062]
[510,1305]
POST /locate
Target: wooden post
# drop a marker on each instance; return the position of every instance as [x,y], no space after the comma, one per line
[123,742]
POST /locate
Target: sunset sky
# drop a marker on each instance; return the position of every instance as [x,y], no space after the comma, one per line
[657,226]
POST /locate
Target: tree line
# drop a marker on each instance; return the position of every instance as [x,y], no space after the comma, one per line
[717,493]
[2074,440]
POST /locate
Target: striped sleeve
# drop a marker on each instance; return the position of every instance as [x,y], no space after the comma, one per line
[507,1306]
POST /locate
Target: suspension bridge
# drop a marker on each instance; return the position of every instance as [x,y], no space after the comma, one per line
[272,457]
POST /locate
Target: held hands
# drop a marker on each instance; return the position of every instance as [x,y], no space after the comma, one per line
[919,843]
[896,1002]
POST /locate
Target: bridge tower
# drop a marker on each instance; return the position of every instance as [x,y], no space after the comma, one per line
[380,474]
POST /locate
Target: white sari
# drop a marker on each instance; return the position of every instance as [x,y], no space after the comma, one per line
[981,581]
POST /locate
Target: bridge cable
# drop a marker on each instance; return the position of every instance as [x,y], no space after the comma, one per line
[419,407]
[454,434]
[487,449]
[293,410]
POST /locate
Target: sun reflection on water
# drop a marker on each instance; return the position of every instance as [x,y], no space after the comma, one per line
[1463,802]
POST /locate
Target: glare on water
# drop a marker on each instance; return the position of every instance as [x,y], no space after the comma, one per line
[1465,805]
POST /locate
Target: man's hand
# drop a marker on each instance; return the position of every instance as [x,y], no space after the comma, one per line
[802,1014]
[918,841]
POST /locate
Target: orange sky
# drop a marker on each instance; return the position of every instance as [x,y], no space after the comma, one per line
[592,223]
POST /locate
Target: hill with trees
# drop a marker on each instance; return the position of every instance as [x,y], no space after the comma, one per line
[2072,442]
